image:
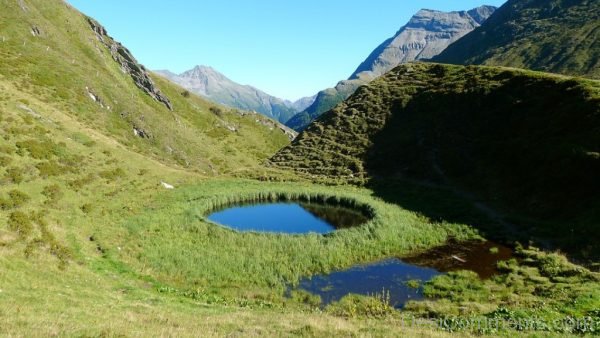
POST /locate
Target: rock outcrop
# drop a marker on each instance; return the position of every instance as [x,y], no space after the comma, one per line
[129,64]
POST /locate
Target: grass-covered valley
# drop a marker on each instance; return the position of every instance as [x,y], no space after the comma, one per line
[108,173]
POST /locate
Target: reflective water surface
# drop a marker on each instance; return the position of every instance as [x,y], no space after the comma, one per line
[287,217]
[403,278]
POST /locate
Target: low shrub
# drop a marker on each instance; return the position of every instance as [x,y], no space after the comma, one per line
[5,204]
[40,150]
[53,193]
[18,198]
[352,306]
[79,183]
[5,161]
[15,175]
[19,222]
[217,111]
[47,240]
[112,175]
[87,208]
[50,168]
[305,297]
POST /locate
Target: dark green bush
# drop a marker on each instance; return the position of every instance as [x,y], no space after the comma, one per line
[217,111]
[40,150]
[87,208]
[15,175]
[19,222]
[5,204]
[18,198]
[50,168]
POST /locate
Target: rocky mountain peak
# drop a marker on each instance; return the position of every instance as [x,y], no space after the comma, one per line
[482,13]
[426,35]
[208,82]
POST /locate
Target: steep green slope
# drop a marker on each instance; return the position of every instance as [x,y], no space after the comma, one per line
[558,36]
[87,138]
[51,51]
[525,141]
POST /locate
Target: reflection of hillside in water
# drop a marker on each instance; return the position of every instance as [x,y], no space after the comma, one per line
[337,216]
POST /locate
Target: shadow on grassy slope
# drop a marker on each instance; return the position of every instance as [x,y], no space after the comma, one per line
[522,144]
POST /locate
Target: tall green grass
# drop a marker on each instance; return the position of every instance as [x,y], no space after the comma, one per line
[176,242]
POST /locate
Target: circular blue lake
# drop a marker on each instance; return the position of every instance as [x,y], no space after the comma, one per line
[287,217]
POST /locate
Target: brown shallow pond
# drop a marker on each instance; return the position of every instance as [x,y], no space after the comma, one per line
[476,256]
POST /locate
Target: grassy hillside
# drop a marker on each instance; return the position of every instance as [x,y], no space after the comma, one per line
[92,244]
[527,142]
[558,36]
[64,64]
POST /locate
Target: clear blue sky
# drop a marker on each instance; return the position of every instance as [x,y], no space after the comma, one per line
[287,48]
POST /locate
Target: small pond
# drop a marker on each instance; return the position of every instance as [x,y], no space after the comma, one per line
[400,278]
[288,217]
[403,278]
[391,276]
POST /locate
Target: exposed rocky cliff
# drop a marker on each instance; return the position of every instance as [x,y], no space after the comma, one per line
[129,64]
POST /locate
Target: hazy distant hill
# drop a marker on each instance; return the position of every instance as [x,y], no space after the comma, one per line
[208,82]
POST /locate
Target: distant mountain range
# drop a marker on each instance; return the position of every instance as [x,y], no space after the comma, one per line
[209,83]
[427,34]
[558,36]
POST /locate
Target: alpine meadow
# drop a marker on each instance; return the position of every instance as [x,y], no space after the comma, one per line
[454,177]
